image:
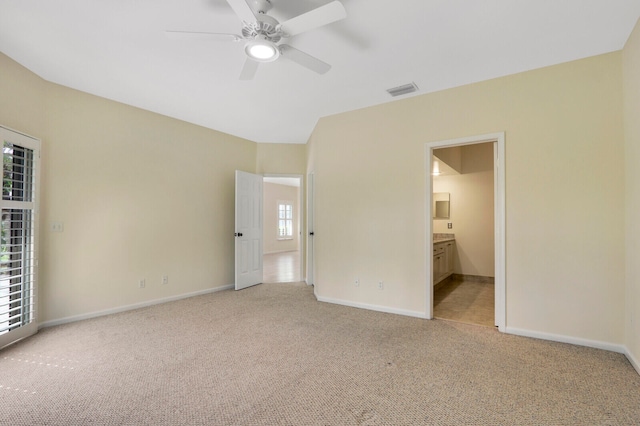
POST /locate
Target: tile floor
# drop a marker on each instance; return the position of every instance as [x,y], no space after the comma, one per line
[281,267]
[465,301]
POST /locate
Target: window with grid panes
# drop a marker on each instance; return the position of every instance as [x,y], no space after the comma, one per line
[18,236]
[285,220]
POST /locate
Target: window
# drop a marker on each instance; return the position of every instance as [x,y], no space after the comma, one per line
[285,220]
[17,237]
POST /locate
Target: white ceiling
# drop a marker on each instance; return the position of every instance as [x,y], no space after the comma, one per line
[117,49]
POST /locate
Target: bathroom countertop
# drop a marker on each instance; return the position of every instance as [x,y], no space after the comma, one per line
[442,238]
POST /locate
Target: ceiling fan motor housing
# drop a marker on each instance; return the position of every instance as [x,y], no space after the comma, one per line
[265,26]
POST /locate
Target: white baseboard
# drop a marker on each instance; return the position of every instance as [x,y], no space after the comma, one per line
[377,308]
[567,339]
[634,362]
[95,314]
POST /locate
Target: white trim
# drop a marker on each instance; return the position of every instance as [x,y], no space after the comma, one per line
[378,308]
[309,248]
[567,339]
[498,139]
[500,248]
[18,205]
[428,238]
[20,133]
[634,362]
[125,308]
[284,175]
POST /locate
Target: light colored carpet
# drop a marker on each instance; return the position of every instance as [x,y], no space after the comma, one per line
[272,355]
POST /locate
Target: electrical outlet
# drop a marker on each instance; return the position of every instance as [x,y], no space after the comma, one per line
[449,225]
[57,227]
[380,285]
[165,279]
[142,283]
[356,282]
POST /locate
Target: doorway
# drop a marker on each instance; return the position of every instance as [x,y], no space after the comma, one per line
[463,235]
[282,229]
[435,275]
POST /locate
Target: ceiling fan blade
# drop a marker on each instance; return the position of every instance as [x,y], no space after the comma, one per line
[304,59]
[195,35]
[315,18]
[242,9]
[249,69]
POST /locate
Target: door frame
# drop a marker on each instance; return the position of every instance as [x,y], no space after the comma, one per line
[310,229]
[499,208]
[298,215]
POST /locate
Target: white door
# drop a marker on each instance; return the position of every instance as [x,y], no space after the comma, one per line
[248,233]
[18,236]
[310,229]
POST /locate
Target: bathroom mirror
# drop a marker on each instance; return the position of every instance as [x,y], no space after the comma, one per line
[441,205]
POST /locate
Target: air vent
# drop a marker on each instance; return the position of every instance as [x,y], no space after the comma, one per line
[403,90]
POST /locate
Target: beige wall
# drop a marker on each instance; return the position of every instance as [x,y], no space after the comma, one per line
[21,99]
[631,70]
[140,195]
[471,210]
[281,159]
[564,196]
[273,193]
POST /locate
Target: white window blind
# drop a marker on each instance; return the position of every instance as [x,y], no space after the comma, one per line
[17,236]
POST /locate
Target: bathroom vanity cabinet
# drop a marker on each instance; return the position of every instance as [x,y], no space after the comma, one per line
[443,253]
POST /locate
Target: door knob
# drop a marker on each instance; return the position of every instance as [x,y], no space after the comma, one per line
[311,233]
[238,234]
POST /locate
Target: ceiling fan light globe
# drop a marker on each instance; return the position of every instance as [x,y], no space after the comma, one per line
[262,50]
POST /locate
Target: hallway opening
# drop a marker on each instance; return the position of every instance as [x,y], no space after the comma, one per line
[282,229]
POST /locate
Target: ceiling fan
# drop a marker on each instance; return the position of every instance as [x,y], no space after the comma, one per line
[262,33]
